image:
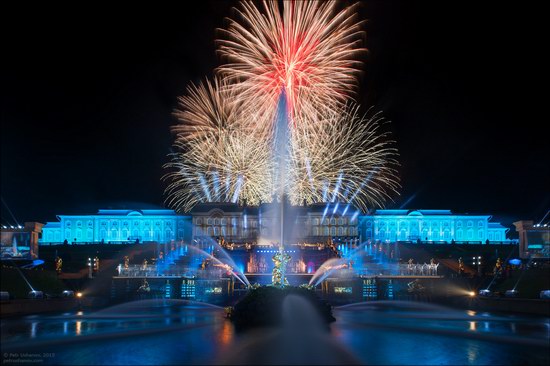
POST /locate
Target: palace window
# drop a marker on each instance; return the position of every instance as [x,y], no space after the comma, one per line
[480,223]
[369,233]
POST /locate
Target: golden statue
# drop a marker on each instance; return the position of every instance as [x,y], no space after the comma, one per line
[58,264]
[278,275]
[126,262]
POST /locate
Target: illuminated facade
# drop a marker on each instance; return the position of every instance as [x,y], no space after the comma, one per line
[430,225]
[248,224]
[116,226]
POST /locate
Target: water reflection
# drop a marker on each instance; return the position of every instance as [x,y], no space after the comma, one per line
[33,329]
[374,333]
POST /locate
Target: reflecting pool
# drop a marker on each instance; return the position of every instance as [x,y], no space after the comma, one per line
[181,332]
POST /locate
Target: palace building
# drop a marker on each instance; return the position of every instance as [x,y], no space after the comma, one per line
[240,224]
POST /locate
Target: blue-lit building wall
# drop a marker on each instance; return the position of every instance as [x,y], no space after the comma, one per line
[118,226]
[430,225]
[313,224]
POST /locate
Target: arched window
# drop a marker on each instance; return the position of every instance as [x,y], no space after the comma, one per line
[470,224]
[209,221]
[315,221]
[470,234]
[209,231]
[315,231]
[340,221]
[459,234]
[325,231]
[216,221]
[480,223]
[199,221]
[216,231]
[78,234]
[333,221]
[424,234]
[340,231]
[333,231]
[480,235]
[224,221]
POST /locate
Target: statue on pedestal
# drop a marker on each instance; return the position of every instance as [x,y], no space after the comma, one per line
[278,275]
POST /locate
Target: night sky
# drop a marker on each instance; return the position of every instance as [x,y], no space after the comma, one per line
[87,97]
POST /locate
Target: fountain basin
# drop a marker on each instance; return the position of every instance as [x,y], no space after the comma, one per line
[262,307]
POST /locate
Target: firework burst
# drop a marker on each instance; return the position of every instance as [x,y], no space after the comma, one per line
[237,141]
[228,166]
[347,158]
[308,50]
